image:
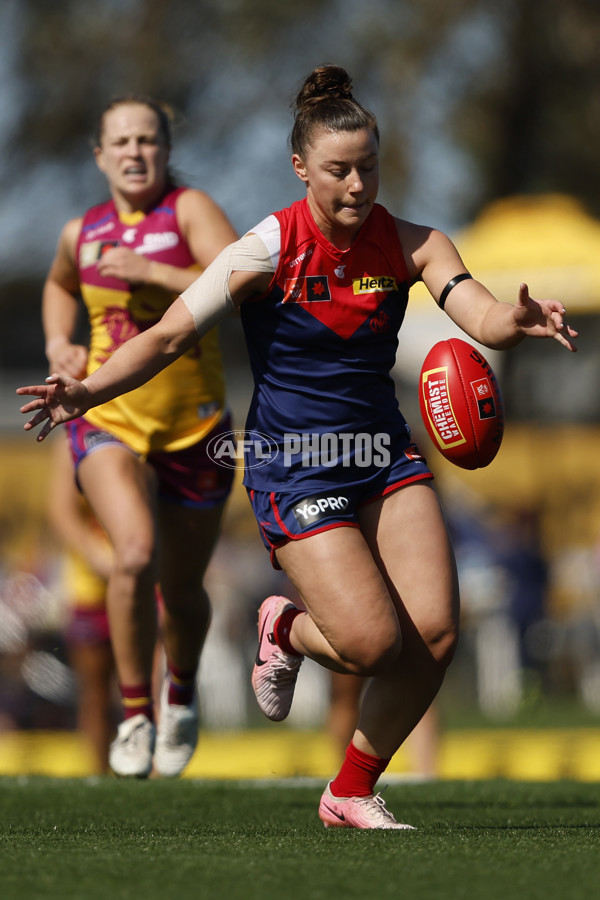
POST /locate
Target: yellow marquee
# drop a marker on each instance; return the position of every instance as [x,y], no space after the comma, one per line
[549,241]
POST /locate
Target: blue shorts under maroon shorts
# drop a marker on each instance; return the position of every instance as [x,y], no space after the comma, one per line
[292,515]
[188,477]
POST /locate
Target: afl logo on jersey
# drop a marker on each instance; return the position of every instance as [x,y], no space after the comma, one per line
[309,289]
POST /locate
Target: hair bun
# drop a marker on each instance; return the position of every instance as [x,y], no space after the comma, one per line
[325,102]
[325,82]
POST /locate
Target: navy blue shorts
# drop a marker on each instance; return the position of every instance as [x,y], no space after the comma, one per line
[292,515]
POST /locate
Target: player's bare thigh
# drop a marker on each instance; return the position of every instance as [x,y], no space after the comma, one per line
[345,595]
[408,537]
[121,490]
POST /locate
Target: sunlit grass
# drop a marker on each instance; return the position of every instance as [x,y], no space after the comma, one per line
[103,838]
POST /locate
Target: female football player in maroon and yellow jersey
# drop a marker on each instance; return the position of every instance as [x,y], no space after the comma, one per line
[141,459]
[343,498]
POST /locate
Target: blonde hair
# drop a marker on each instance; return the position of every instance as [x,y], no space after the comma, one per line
[163,113]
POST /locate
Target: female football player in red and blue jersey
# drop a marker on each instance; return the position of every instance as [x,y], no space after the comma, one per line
[141,459]
[343,498]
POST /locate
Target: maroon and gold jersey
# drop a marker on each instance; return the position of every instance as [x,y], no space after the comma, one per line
[183,402]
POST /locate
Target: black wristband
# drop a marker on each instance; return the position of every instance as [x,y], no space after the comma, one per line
[452,283]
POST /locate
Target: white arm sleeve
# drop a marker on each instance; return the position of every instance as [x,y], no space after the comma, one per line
[209,299]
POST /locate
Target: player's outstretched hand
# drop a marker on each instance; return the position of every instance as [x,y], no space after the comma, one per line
[58,400]
[543,318]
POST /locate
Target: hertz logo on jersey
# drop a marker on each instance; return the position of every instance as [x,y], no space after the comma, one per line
[370,284]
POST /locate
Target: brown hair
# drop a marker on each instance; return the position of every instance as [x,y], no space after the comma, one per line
[163,113]
[325,100]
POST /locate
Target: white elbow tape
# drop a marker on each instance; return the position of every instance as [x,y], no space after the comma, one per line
[209,299]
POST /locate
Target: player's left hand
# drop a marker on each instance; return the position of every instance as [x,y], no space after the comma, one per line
[543,318]
[123,263]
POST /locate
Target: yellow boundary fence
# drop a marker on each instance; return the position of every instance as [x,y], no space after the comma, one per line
[531,755]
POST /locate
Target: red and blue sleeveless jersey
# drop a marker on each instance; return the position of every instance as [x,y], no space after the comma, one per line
[322,341]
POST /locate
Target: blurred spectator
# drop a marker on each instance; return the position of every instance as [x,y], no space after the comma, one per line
[503,583]
[519,553]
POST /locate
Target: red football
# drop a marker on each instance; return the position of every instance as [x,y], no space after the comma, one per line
[461,404]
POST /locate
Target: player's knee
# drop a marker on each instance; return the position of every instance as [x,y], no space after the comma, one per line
[442,644]
[134,558]
[373,654]
[182,594]
[188,604]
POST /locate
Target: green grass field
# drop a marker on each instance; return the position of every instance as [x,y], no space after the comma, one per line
[103,838]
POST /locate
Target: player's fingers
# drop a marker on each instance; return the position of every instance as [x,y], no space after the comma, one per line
[565,341]
[33,390]
[40,416]
[565,328]
[45,431]
[39,403]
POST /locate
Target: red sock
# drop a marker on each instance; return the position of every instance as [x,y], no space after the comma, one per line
[282,629]
[358,775]
[181,685]
[137,699]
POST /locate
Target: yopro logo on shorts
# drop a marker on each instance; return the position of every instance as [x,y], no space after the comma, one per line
[314,509]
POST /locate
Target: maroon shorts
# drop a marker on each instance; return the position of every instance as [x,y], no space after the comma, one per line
[87,626]
[188,477]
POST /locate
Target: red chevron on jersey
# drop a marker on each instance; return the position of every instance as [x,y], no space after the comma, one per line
[345,317]
[312,270]
[322,367]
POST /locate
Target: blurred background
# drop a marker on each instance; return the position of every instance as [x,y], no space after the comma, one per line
[489,112]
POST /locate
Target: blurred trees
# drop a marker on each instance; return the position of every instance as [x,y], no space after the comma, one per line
[515,84]
[533,121]
[476,99]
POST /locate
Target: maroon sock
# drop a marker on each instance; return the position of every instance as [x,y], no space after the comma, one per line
[137,699]
[182,683]
[358,775]
[282,630]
